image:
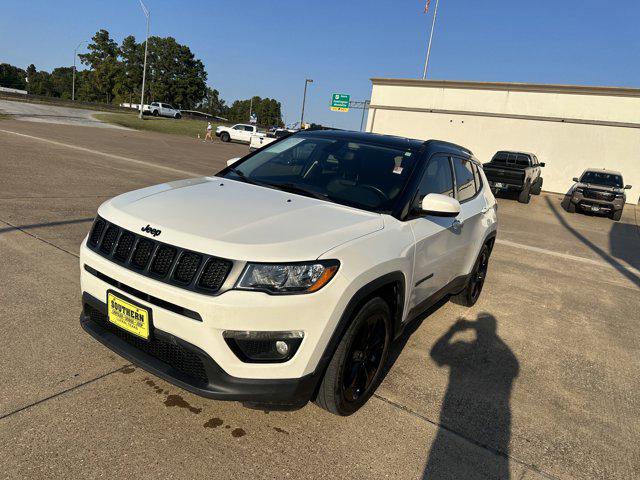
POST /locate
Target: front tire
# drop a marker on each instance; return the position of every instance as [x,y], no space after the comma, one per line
[571,207]
[177,116]
[224,136]
[155,113]
[356,368]
[471,293]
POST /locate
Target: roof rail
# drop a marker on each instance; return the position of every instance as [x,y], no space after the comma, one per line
[450,144]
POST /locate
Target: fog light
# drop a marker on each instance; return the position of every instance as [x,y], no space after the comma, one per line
[262,347]
[282,347]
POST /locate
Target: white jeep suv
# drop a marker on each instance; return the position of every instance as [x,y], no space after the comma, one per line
[286,277]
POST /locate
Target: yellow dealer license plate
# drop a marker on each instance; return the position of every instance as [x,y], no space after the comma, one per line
[129,316]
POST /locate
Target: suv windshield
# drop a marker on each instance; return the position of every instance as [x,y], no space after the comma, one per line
[362,175]
[601,178]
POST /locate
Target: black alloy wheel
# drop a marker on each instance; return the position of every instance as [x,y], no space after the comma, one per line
[479,275]
[363,359]
[469,296]
[357,366]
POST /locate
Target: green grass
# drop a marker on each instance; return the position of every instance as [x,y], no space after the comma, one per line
[183,126]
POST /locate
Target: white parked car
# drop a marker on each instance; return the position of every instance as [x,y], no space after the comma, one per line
[240,132]
[164,110]
[259,140]
[286,277]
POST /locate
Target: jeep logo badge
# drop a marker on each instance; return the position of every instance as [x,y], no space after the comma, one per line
[153,231]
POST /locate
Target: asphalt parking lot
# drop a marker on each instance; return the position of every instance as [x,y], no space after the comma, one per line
[545,382]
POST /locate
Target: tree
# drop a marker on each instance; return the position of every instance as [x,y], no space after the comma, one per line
[267,110]
[104,64]
[60,80]
[213,104]
[12,77]
[130,79]
[175,75]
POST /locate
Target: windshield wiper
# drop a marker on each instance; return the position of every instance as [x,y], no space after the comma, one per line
[243,177]
[293,188]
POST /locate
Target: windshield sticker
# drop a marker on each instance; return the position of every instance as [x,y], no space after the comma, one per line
[397,170]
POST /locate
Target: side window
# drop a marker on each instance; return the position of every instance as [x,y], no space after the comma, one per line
[437,178]
[464,179]
[248,128]
[476,175]
[238,127]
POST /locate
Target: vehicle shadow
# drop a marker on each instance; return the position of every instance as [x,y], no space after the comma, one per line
[47,224]
[623,245]
[476,406]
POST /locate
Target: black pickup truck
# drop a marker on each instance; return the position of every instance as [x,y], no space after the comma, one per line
[515,171]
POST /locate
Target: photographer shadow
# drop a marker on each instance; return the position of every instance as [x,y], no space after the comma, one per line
[476,406]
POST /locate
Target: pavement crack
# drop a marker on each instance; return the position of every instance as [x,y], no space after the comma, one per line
[466,438]
[20,229]
[70,389]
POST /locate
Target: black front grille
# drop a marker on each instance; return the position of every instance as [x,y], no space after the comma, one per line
[109,239]
[187,267]
[124,246]
[163,260]
[597,195]
[174,355]
[142,254]
[214,273]
[96,232]
[184,268]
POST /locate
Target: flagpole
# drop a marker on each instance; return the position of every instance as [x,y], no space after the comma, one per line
[433,25]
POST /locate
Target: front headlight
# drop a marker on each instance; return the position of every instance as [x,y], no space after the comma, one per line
[285,278]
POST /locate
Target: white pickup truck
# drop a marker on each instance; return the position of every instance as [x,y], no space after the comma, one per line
[163,110]
[240,132]
[259,140]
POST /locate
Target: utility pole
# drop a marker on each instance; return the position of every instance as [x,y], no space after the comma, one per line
[304,99]
[73,81]
[250,109]
[433,26]
[144,67]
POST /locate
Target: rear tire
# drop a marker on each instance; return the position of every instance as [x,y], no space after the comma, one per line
[356,368]
[471,293]
[224,136]
[155,113]
[616,215]
[525,195]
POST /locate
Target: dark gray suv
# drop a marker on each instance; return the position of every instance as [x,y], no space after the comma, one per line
[598,191]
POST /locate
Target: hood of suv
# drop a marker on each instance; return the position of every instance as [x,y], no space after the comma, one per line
[240,221]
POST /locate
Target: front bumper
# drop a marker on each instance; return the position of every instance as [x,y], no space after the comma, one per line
[603,206]
[189,367]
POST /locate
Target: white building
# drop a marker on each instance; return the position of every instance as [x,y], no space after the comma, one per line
[570,128]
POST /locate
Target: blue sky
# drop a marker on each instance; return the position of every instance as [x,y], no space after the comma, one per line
[267,48]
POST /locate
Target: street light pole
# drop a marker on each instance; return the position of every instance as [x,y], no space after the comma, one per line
[144,67]
[73,81]
[304,99]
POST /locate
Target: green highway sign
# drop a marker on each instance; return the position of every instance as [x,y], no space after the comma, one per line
[340,102]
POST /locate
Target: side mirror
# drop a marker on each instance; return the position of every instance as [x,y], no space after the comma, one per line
[628,187]
[576,179]
[231,161]
[542,164]
[440,205]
